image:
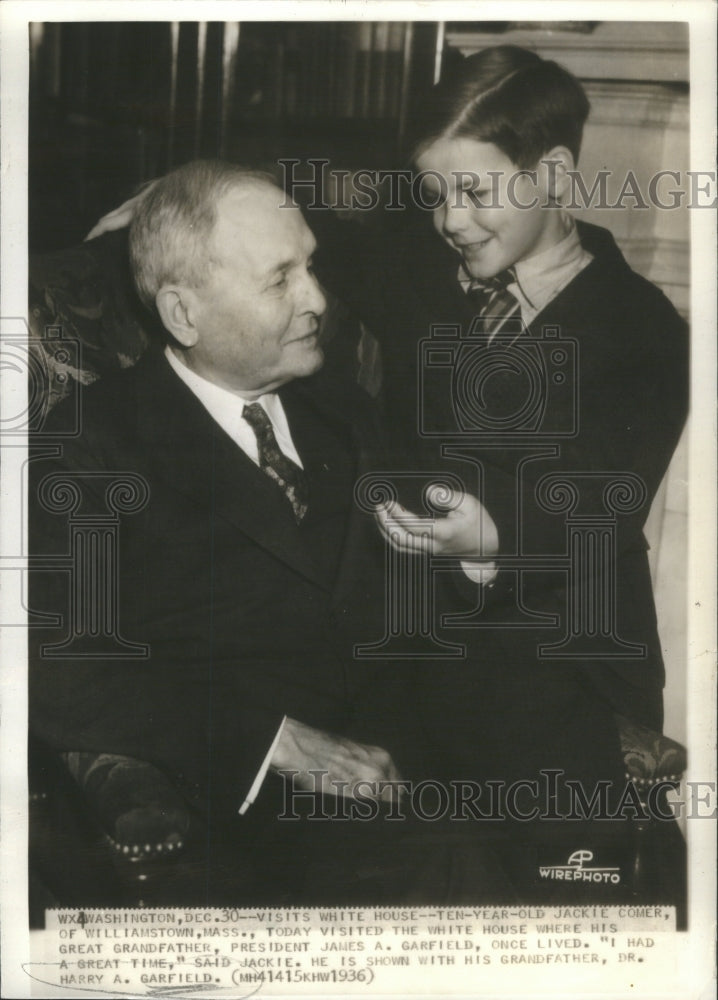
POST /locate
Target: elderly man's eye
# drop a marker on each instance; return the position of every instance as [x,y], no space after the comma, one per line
[279,282]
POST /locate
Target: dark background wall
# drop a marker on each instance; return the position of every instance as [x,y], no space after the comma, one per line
[115,104]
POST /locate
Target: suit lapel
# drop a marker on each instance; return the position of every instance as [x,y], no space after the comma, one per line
[197,459]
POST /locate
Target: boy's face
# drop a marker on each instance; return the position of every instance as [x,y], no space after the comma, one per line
[484,221]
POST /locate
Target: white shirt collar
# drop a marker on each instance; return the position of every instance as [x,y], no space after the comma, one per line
[226,408]
[541,277]
[544,270]
[200,386]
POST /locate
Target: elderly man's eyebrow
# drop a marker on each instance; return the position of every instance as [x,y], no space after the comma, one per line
[285,265]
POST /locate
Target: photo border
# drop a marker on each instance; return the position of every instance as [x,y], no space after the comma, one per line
[693,949]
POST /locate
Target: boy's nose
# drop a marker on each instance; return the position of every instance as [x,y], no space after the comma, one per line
[455,220]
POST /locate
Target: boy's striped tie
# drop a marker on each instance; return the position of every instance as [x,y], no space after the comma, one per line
[493,300]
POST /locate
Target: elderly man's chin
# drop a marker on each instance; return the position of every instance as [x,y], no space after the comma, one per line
[310,355]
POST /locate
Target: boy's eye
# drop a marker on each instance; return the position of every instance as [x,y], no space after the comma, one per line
[431,193]
[479,199]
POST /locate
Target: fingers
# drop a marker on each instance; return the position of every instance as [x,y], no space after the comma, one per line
[414,535]
[411,533]
[445,499]
[467,531]
[333,764]
[374,776]
[404,531]
[360,769]
[117,219]
[394,785]
[121,216]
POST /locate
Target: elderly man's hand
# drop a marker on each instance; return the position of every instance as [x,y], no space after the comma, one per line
[344,763]
[468,531]
[119,217]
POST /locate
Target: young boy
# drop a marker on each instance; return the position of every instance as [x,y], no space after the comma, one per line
[594,391]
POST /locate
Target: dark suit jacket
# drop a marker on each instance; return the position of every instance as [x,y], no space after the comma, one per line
[629,384]
[246,615]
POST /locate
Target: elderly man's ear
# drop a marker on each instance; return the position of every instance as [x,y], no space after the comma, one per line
[178,310]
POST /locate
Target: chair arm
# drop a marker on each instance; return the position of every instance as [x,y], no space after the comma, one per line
[137,806]
[649,756]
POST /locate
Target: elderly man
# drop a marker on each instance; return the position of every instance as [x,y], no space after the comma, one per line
[249,574]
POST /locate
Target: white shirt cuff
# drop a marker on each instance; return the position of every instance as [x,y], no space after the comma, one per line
[481,572]
[262,773]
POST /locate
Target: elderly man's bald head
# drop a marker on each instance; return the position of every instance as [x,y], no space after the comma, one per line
[170,236]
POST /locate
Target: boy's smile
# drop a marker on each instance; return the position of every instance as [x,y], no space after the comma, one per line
[501,219]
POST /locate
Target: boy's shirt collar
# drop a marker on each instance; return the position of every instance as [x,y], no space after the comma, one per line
[540,278]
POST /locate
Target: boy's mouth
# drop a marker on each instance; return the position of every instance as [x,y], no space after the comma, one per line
[475,246]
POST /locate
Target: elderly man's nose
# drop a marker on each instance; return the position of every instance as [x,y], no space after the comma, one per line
[314,300]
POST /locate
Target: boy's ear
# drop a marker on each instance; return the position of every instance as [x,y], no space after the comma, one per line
[557,163]
[175,304]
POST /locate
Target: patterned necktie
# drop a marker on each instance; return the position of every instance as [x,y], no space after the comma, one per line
[287,474]
[494,301]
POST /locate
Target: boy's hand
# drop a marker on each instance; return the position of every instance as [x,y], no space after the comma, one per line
[120,217]
[468,530]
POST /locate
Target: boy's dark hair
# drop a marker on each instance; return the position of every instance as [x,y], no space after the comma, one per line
[511,97]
